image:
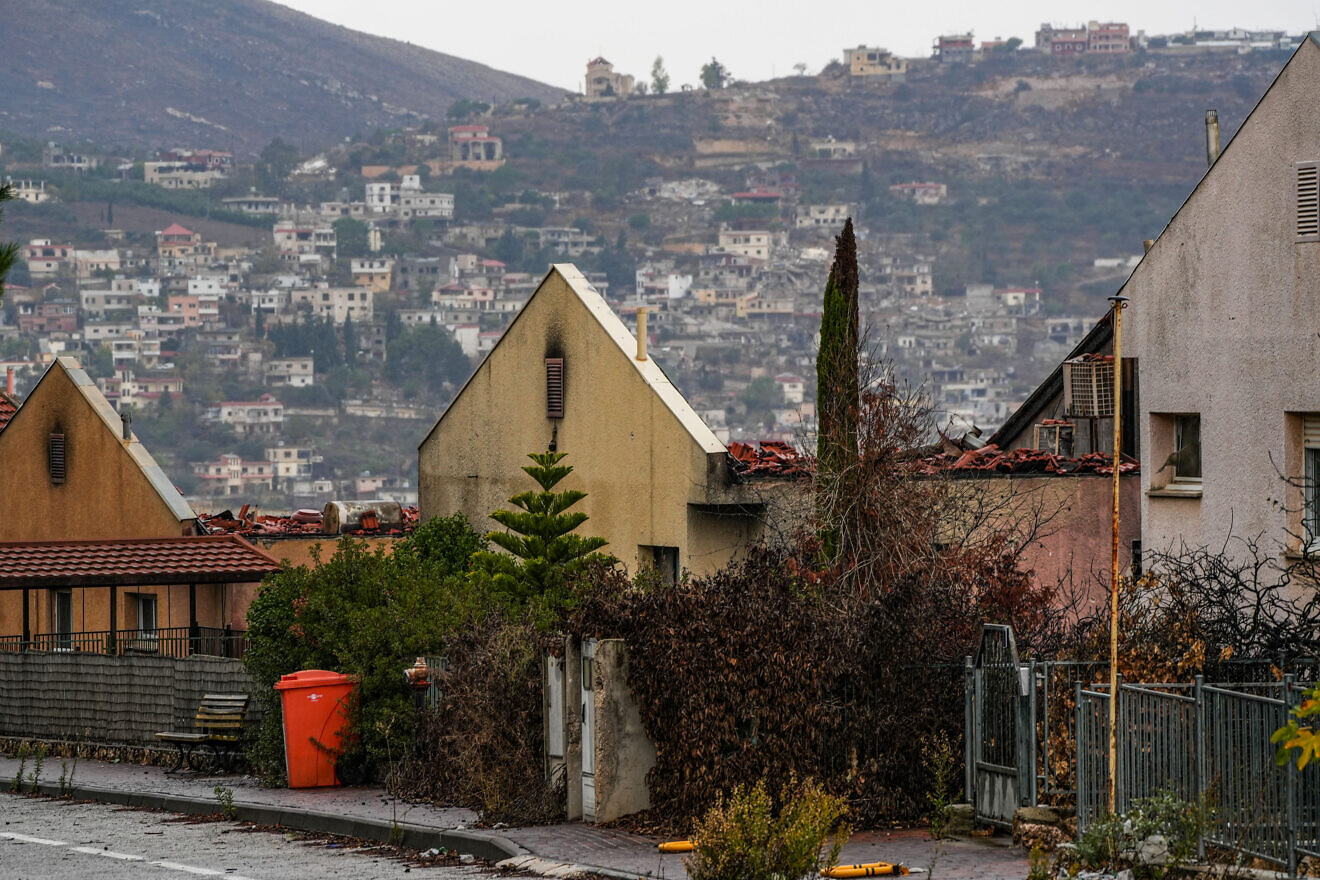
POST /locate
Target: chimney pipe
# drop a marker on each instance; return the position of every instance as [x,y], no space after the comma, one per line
[641,333]
[126,419]
[9,381]
[1211,137]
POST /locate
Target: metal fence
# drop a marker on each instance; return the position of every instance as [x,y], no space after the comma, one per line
[176,642]
[1208,744]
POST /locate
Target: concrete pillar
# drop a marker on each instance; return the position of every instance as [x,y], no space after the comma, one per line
[573,727]
[624,754]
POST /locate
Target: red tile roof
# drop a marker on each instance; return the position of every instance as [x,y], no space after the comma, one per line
[7,409]
[208,559]
[176,229]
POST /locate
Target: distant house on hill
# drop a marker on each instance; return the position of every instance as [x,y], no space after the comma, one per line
[868,61]
[603,83]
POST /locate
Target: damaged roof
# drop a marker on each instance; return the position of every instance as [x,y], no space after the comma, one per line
[773,458]
[990,459]
[7,409]
[300,523]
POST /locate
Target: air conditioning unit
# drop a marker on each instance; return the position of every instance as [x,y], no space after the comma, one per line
[1088,386]
[1054,436]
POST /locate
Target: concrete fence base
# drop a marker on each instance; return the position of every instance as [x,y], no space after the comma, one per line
[80,698]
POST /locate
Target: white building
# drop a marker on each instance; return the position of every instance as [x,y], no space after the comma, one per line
[295,372]
[262,416]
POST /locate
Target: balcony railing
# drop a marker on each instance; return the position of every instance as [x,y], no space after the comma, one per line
[176,641]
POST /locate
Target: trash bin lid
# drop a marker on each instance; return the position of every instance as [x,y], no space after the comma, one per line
[311,678]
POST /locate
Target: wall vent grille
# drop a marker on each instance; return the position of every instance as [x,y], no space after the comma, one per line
[554,388]
[1308,201]
[55,458]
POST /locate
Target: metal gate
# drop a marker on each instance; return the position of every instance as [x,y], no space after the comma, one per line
[1000,735]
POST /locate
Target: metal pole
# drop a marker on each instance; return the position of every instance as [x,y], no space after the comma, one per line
[1118,302]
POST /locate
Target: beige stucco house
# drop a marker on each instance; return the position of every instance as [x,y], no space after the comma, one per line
[568,375]
[1224,327]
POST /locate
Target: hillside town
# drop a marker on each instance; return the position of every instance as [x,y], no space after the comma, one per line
[256,346]
[903,466]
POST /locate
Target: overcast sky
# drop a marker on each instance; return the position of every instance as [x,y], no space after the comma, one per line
[551,40]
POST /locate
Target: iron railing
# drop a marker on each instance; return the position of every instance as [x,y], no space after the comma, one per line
[1206,744]
[175,641]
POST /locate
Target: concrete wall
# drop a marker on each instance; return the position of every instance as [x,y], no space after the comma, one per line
[624,754]
[1076,540]
[123,700]
[1225,322]
[639,463]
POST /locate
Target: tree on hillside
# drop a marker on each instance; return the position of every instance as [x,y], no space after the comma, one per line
[714,75]
[350,238]
[541,551]
[350,341]
[274,165]
[659,76]
[836,366]
[428,353]
[8,250]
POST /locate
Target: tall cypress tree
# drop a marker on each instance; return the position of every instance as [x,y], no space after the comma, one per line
[836,364]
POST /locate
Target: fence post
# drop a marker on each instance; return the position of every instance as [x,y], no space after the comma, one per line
[1120,753]
[1078,774]
[1199,781]
[1290,780]
[1026,737]
[969,731]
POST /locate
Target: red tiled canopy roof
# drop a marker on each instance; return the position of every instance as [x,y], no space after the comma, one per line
[210,559]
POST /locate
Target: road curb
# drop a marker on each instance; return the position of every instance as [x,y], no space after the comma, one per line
[493,848]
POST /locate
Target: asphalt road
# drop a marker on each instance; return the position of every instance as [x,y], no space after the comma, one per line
[43,839]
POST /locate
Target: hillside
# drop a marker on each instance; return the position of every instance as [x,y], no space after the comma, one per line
[220,73]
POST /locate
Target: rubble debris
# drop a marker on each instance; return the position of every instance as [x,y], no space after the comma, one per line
[772,458]
[992,459]
[308,522]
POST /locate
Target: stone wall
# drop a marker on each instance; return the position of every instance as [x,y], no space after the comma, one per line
[111,700]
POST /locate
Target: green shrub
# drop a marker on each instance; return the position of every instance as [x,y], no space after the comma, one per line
[367,614]
[1112,842]
[743,837]
[939,757]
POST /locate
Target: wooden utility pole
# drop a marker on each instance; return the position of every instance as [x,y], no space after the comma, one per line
[1118,304]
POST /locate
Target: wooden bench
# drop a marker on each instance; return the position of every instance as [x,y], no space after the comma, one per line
[218,722]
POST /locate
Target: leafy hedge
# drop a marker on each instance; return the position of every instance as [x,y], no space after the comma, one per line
[767,670]
[365,613]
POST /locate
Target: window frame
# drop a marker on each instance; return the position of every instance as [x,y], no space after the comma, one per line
[1180,420]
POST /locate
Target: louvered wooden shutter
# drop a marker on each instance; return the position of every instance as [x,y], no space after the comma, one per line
[1308,201]
[1311,431]
[554,388]
[55,458]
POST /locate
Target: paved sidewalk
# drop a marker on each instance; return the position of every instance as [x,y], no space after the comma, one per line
[557,849]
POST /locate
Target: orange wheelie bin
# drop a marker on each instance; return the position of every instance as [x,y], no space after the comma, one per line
[315,704]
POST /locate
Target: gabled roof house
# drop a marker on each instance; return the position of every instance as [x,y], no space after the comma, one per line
[568,375]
